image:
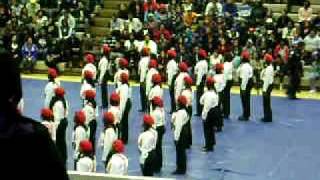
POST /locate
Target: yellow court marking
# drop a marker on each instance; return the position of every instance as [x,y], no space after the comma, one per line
[234,90]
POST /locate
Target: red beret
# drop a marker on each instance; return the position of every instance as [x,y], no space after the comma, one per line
[172,53]
[203,53]
[157,100]
[59,91]
[183,67]
[46,114]
[90,94]
[153,63]
[182,100]
[114,99]
[79,117]
[90,58]
[108,117]
[188,80]
[106,48]
[118,146]
[245,55]
[210,81]
[148,120]
[88,74]
[124,77]
[219,67]
[268,58]
[86,146]
[123,63]
[146,51]
[162,6]
[52,73]
[156,78]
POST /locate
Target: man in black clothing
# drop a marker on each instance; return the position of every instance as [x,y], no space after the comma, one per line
[26,146]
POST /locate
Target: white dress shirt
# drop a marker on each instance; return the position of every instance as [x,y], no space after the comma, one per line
[158,115]
[79,135]
[228,71]
[49,92]
[209,99]
[108,137]
[115,110]
[245,72]
[172,70]
[179,119]
[267,76]
[103,67]
[118,165]
[200,70]
[86,164]
[149,82]
[179,84]
[220,83]
[143,68]
[147,142]
[90,67]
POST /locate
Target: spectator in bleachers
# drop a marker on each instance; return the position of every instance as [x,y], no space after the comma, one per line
[258,13]
[134,24]
[283,21]
[66,24]
[33,7]
[42,44]
[123,11]
[213,7]
[189,18]
[4,15]
[29,54]
[54,54]
[244,9]
[116,26]
[41,20]
[230,9]
[305,12]
[316,22]
[312,43]
[315,71]
[15,7]
[15,49]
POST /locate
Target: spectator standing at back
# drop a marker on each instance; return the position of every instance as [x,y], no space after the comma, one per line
[29,54]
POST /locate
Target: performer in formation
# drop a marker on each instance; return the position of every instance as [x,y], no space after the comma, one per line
[103,69]
[108,137]
[118,164]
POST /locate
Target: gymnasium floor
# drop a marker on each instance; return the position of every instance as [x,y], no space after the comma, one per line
[286,149]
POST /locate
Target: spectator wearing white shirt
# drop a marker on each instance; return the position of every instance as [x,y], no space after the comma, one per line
[305,12]
[312,42]
[267,76]
[213,7]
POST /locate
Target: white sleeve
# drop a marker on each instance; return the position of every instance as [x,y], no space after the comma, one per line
[107,144]
[103,69]
[58,111]
[244,77]
[268,78]
[178,127]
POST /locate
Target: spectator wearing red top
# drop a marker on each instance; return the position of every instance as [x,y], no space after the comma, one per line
[161,31]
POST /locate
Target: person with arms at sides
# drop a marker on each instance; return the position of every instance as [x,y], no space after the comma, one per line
[86,161]
[142,71]
[211,114]
[48,122]
[201,71]
[147,142]
[172,71]
[219,84]
[115,109]
[180,131]
[156,89]
[103,69]
[51,86]
[60,108]
[81,132]
[87,84]
[123,68]
[179,80]
[187,92]
[228,75]
[90,58]
[118,164]
[108,136]
[153,69]
[18,132]
[267,76]
[158,114]
[245,72]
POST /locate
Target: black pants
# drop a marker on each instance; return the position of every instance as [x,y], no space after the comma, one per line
[61,139]
[158,151]
[189,128]
[148,167]
[104,91]
[28,64]
[245,99]
[200,90]
[93,129]
[181,157]
[226,99]
[172,98]
[124,132]
[209,125]
[293,86]
[143,97]
[267,104]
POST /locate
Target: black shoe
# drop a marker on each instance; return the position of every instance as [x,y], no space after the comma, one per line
[197,114]
[266,120]
[219,129]
[142,110]
[226,117]
[177,172]
[241,118]
[206,149]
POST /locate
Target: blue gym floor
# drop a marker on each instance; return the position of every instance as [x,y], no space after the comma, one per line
[287,149]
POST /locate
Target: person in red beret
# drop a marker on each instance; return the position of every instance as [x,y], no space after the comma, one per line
[211,114]
[201,70]
[187,92]
[158,114]
[51,86]
[114,108]
[153,69]
[245,73]
[90,110]
[228,75]
[220,84]
[179,122]
[179,81]
[147,142]
[142,71]
[123,68]
[171,72]
[90,60]
[124,91]
[80,133]
[108,136]
[103,69]
[86,161]
[48,122]
[87,84]
[267,76]
[156,89]
[60,108]
[118,164]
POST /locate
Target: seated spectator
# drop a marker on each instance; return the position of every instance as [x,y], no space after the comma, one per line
[29,54]
[54,54]
[134,25]
[25,18]
[123,11]
[33,7]
[74,46]
[189,18]
[305,12]
[42,44]
[312,43]
[116,26]
[41,20]
[15,7]
[161,31]
[315,71]
[258,13]
[66,24]
[230,9]
[213,7]
[283,21]
[149,6]
[316,22]
[15,49]
[4,15]
[244,9]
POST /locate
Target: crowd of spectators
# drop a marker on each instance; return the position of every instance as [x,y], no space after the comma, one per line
[220,27]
